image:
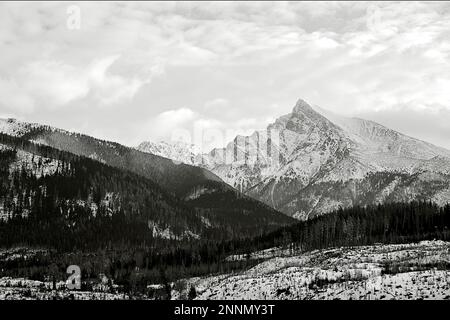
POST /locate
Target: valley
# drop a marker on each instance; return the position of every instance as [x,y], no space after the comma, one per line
[315,207]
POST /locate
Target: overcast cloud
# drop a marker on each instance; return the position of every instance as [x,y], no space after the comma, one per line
[140,71]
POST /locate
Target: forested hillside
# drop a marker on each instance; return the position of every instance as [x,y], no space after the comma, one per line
[58,199]
[118,223]
[136,266]
[176,178]
[387,223]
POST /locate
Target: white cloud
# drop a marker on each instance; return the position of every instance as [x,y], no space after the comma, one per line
[352,57]
[167,124]
[217,105]
[207,132]
[176,117]
[13,99]
[429,124]
[111,88]
[53,84]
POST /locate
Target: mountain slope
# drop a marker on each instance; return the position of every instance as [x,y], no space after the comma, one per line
[184,181]
[189,183]
[178,178]
[311,161]
[53,197]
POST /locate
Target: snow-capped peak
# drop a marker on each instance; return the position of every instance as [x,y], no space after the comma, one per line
[301,106]
[300,162]
[175,150]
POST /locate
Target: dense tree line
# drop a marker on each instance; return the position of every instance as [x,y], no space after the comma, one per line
[134,267]
[88,205]
[84,204]
[97,216]
[384,223]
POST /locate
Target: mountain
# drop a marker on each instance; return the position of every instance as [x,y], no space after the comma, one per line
[177,151]
[310,162]
[216,209]
[177,178]
[56,198]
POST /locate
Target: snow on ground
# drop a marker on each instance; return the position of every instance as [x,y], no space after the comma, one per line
[407,271]
[263,254]
[19,253]
[39,166]
[25,289]
[178,151]
[197,192]
[167,233]
[96,157]
[34,164]
[22,288]
[15,128]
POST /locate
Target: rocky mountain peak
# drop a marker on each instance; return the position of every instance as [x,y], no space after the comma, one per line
[302,106]
[315,161]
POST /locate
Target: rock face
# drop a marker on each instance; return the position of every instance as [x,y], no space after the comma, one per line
[176,151]
[311,161]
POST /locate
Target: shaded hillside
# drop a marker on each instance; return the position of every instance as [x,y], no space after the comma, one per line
[52,197]
[174,177]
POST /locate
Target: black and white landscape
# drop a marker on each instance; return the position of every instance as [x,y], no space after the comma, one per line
[230,150]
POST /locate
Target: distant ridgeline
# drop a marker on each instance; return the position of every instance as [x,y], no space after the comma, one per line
[54,198]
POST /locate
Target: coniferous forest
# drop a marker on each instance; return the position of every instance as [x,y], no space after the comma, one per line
[117,223]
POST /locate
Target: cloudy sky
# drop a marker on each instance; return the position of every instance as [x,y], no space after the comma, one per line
[130,72]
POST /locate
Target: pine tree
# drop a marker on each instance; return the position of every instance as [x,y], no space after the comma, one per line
[192,293]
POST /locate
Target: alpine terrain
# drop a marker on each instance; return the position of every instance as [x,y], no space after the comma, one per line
[311,161]
[170,200]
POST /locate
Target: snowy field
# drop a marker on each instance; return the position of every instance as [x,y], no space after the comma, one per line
[409,271]
[24,289]
[385,272]
[27,289]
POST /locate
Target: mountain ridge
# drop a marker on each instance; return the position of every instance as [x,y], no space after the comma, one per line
[55,189]
[194,186]
[312,147]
